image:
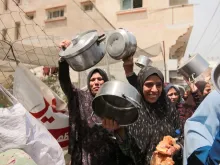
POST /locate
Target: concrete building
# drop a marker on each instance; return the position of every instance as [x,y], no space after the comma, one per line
[153,22]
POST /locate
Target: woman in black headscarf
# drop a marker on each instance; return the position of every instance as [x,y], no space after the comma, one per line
[204,88]
[89,144]
[157,118]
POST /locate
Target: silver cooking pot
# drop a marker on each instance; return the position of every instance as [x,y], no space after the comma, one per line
[121,44]
[215,77]
[118,101]
[193,67]
[85,51]
[143,61]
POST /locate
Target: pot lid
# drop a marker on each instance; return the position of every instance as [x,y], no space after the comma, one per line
[116,44]
[81,43]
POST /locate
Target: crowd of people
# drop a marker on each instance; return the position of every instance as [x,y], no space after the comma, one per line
[190,116]
[165,111]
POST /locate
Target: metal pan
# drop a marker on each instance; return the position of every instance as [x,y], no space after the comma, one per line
[193,67]
[118,101]
[215,77]
[143,61]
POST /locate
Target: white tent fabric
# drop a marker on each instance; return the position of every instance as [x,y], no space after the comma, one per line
[205,36]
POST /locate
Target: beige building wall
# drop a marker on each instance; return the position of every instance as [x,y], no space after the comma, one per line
[155,22]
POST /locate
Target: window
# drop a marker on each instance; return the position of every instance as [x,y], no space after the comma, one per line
[5,4]
[17,30]
[130,4]
[88,7]
[178,2]
[55,13]
[4,33]
[30,15]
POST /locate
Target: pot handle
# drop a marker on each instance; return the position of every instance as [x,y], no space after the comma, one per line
[101,38]
[136,104]
[94,120]
[192,78]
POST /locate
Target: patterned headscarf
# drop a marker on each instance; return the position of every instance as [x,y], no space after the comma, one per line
[168,87]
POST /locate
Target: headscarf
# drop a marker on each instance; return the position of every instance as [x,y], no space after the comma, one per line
[159,106]
[140,130]
[169,86]
[96,70]
[201,129]
[201,86]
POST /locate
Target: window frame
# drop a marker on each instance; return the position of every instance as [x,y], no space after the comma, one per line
[51,14]
[179,3]
[132,5]
[89,5]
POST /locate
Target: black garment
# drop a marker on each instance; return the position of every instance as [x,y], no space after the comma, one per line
[155,121]
[89,144]
[201,86]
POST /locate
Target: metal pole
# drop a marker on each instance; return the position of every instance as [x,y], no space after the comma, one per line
[164,61]
[107,69]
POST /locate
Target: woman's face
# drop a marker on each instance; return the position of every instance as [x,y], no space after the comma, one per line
[173,95]
[207,89]
[95,82]
[152,88]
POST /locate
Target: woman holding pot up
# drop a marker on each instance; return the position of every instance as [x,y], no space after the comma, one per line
[157,118]
[89,143]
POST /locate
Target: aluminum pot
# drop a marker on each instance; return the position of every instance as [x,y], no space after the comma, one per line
[85,51]
[193,67]
[118,101]
[121,44]
[143,61]
[215,77]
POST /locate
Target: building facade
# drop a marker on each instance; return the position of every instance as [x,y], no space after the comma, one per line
[153,22]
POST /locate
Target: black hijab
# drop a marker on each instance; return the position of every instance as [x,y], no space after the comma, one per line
[96,70]
[159,106]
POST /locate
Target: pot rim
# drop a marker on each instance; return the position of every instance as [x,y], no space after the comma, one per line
[213,78]
[125,35]
[85,47]
[132,101]
[77,54]
[189,60]
[134,107]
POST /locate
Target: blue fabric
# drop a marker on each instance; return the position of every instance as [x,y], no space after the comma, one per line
[199,156]
[202,130]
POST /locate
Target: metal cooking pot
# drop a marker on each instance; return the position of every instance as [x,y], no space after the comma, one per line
[193,67]
[85,51]
[143,61]
[118,101]
[121,44]
[216,77]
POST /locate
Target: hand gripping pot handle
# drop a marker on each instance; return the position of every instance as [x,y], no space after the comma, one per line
[192,78]
[92,114]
